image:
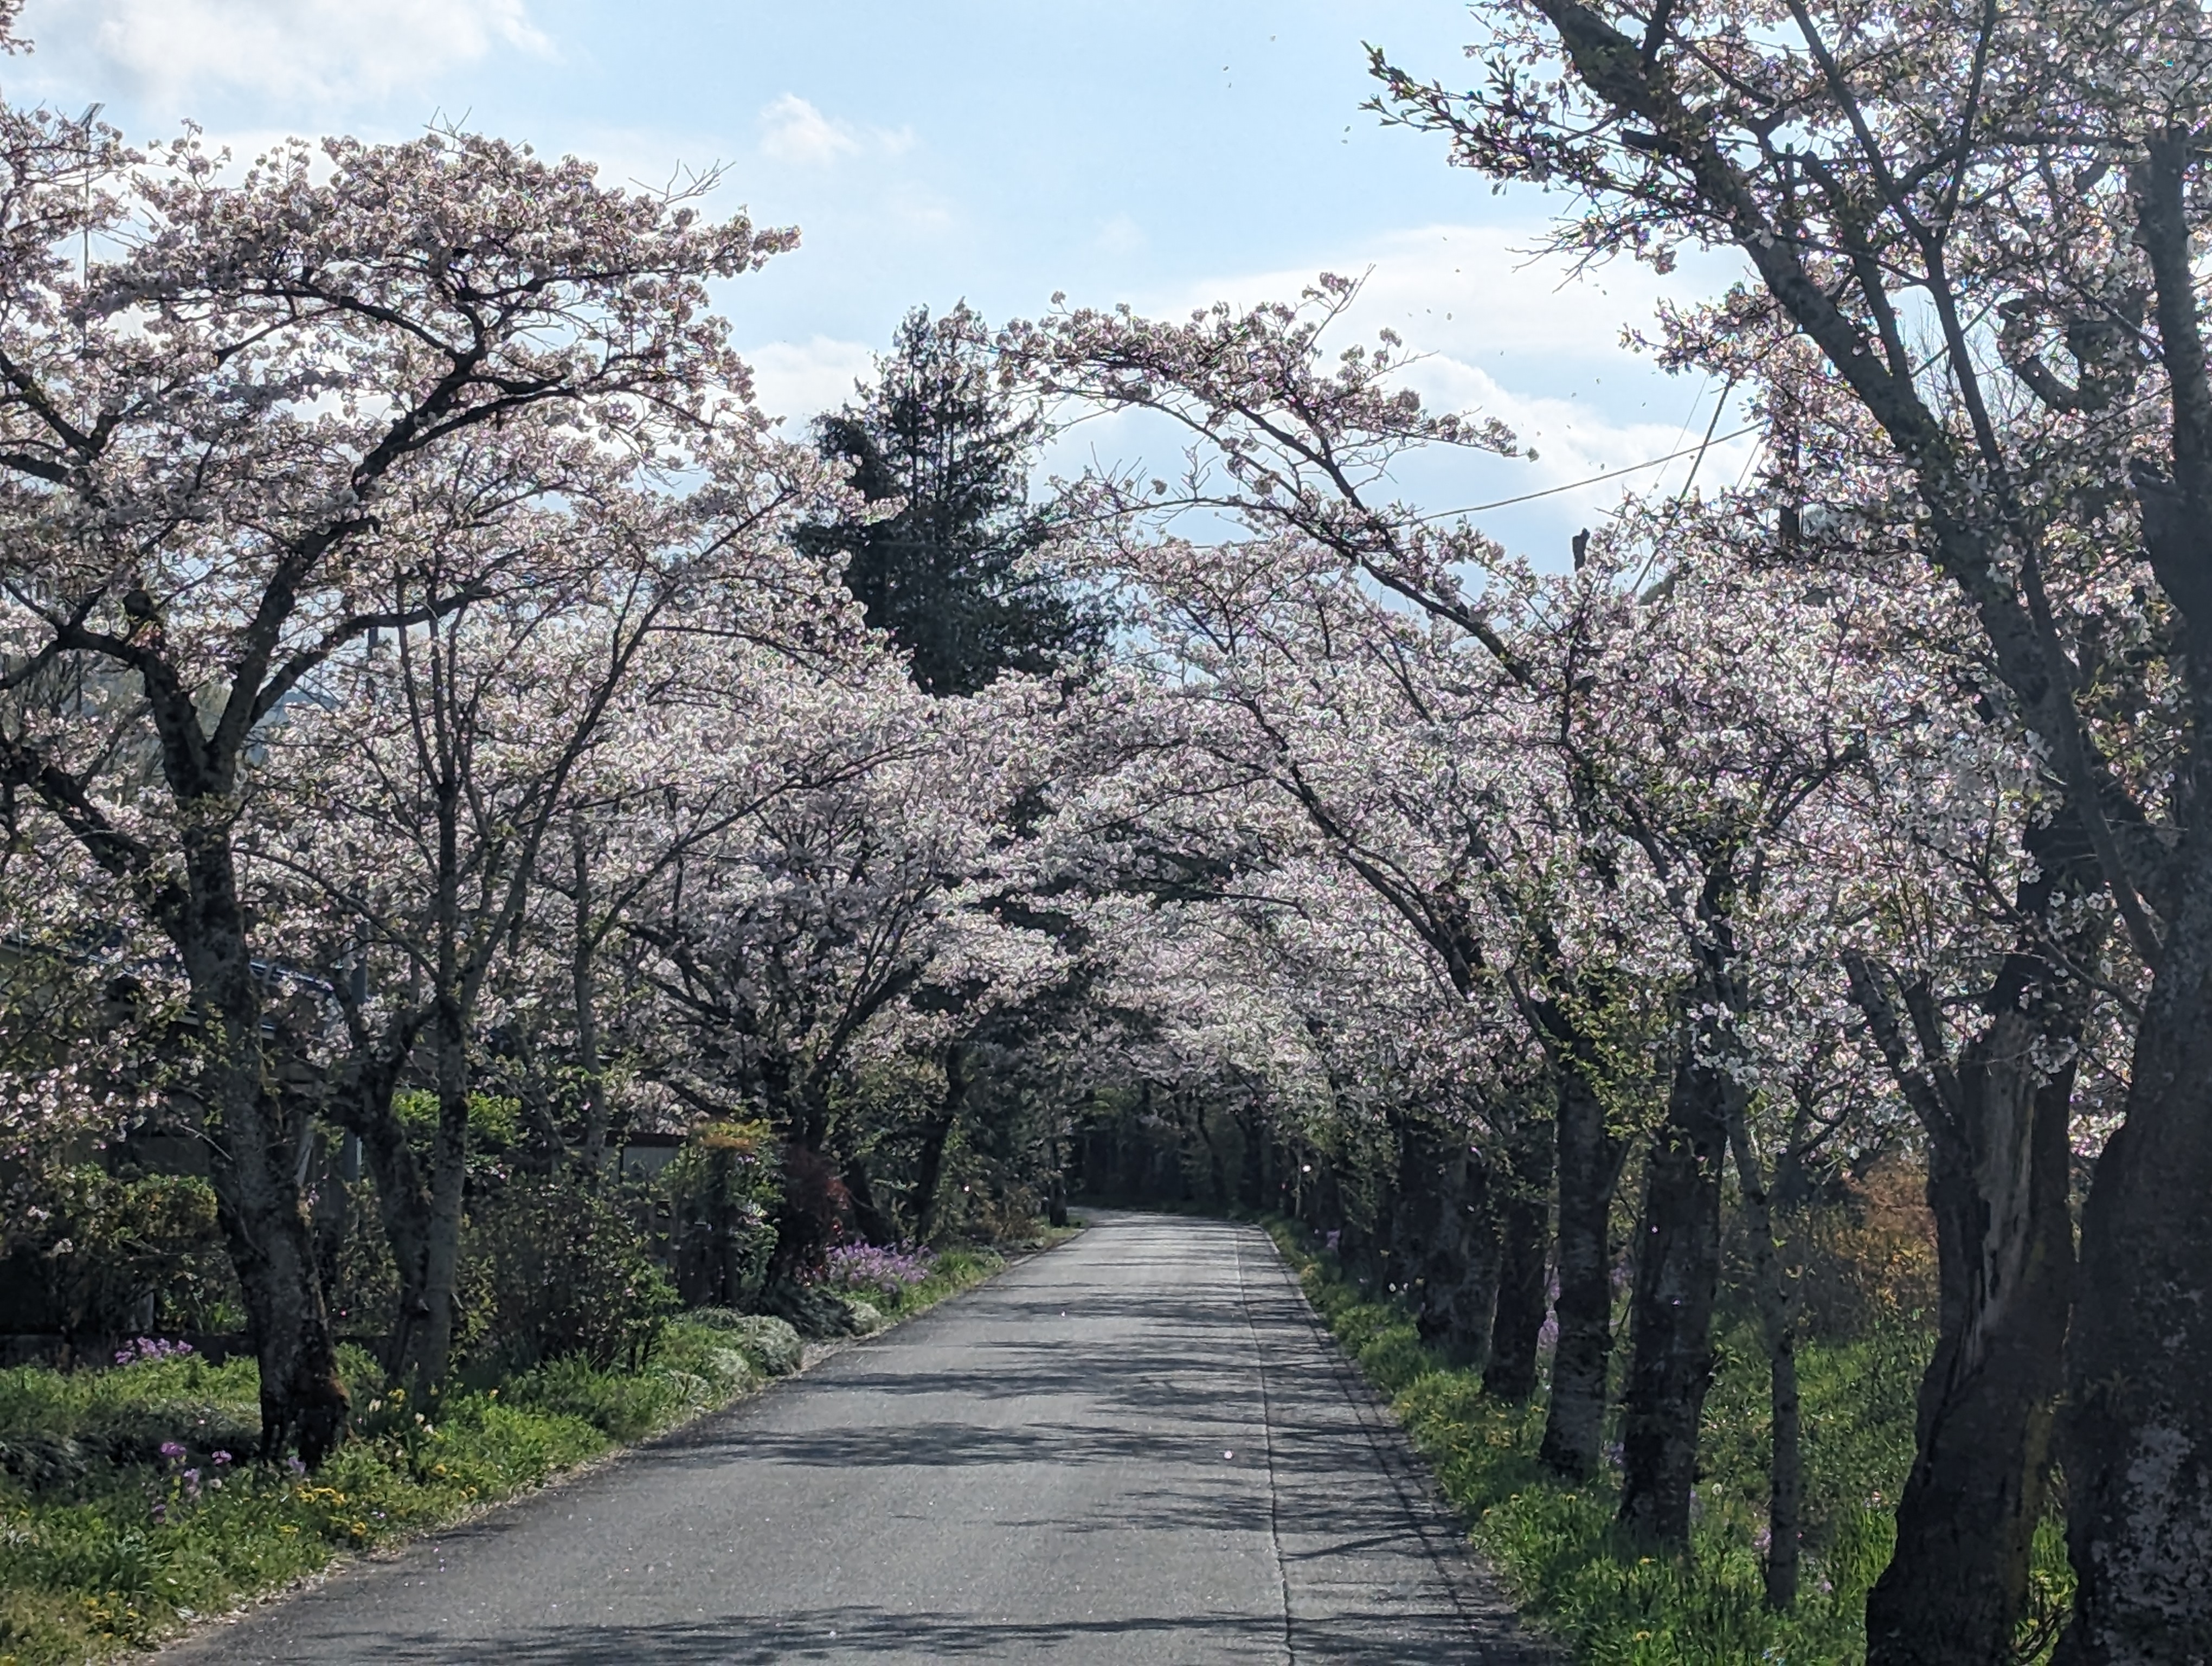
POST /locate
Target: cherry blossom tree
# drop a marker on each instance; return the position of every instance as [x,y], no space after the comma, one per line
[201,432]
[413,798]
[1939,201]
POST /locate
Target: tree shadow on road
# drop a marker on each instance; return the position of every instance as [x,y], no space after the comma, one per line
[864,1633]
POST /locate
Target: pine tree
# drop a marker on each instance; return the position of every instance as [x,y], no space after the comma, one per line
[947,575]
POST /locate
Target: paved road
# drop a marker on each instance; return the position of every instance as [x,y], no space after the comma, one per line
[1137,1448]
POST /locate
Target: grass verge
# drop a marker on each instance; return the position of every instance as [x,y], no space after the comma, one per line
[954,1270]
[1612,1603]
[127,1509]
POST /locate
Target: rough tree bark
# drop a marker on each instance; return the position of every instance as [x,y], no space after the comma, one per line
[1450,1259]
[1678,1258]
[252,1146]
[1524,1222]
[930,1168]
[1998,1180]
[2138,1436]
[1775,1291]
[271,1244]
[1589,1158]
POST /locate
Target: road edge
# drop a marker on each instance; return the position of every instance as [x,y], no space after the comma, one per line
[1496,1625]
[202,1627]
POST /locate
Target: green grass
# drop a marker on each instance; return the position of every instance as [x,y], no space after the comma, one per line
[1615,1604]
[106,1544]
[953,1271]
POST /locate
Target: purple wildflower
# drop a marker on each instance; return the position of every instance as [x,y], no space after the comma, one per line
[219,1459]
[172,1448]
[142,1348]
[889,1268]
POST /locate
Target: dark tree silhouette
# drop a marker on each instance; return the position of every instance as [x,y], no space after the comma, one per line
[950,574]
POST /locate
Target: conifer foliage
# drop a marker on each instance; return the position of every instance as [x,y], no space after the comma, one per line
[945,555]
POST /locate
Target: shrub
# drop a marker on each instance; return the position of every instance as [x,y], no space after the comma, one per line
[107,1253]
[494,1123]
[867,1317]
[772,1344]
[1870,1257]
[725,1189]
[620,1405]
[553,1271]
[1394,1358]
[57,1428]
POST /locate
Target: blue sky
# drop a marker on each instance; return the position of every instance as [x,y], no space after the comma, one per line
[1164,154]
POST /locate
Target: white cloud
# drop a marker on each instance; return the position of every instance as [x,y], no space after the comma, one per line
[1576,438]
[1477,290]
[288,51]
[796,380]
[1501,332]
[792,130]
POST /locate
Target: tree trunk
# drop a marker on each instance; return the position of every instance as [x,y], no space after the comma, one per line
[254,1169]
[583,979]
[866,1216]
[1452,1249]
[1525,1244]
[1785,1496]
[1589,1157]
[1775,1292]
[1677,1260]
[448,1187]
[930,1171]
[1997,1182]
[2138,1435]
[1966,1523]
[272,1247]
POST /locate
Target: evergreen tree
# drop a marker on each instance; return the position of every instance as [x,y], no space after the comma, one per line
[948,573]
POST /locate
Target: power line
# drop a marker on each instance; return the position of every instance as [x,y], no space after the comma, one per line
[1610,474]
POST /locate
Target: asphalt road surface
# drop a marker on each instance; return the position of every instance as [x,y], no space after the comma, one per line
[1136,1448]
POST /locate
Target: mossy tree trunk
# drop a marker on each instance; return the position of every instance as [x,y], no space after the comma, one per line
[1997,1120]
